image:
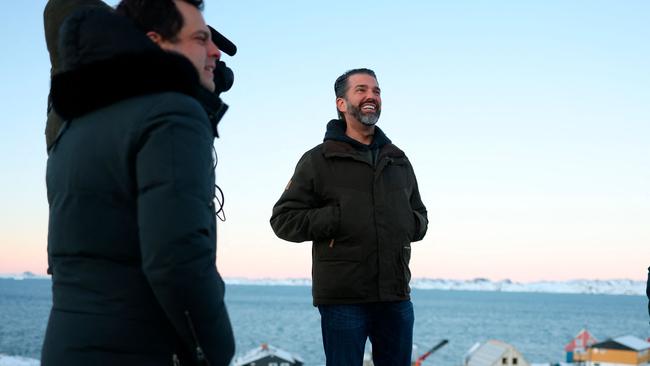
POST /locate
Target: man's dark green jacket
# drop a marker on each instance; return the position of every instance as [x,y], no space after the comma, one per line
[361,208]
[130,183]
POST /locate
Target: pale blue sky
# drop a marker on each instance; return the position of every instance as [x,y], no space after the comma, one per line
[527,122]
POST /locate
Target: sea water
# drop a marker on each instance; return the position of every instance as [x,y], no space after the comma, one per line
[537,324]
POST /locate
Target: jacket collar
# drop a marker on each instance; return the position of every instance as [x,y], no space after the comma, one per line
[336,131]
[337,143]
[102,83]
[334,148]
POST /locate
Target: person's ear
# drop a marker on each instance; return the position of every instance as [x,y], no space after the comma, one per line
[155,37]
[341,105]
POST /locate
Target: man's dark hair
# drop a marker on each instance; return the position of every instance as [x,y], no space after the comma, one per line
[341,83]
[160,16]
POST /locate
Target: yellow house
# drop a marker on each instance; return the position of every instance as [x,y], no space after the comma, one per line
[621,351]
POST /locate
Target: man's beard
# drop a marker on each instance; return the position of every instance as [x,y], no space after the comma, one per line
[368,119]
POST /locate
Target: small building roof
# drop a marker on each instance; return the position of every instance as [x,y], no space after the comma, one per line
[633,342]
[624,343]
[487,354]
[266,350]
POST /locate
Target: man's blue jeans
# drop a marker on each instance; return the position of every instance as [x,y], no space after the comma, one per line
[389,325]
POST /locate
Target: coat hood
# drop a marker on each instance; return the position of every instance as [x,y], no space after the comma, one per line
[336,131]
[104,58]
[54,14]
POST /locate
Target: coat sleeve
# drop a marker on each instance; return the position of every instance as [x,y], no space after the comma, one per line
[300,214]
[419,210]
[175,182]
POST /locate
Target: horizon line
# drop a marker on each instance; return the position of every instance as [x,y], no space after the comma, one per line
[474,279]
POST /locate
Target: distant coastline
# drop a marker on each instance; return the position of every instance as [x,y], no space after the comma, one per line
[578,286]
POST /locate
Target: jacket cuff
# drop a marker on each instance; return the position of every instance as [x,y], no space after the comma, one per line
[421,224]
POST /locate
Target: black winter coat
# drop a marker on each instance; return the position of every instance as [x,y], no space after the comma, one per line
[130,181]
[361,214]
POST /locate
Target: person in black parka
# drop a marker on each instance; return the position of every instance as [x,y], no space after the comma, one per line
[130,183]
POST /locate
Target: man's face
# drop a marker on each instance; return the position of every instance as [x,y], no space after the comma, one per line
[193,41]
[362,99]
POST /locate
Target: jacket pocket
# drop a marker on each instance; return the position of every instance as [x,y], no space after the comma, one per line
[336,249]
[338,279]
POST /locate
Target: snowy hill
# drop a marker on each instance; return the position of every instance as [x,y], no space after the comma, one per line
[22,276]
[609,287]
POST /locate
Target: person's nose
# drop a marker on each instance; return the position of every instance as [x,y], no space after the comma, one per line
[371,96]
[214,51]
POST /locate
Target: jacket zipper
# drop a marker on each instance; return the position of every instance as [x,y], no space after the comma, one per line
[200,355]
[377,168]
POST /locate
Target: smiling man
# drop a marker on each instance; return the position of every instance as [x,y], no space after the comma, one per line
[356,198]
[192,40]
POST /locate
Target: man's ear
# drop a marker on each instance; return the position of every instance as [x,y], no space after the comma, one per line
[155,37]
[341,105]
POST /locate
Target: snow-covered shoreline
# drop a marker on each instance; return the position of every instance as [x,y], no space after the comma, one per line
[578,286]
[6,360]
[604,287]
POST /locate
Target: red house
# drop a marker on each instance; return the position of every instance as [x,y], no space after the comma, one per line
[576,350]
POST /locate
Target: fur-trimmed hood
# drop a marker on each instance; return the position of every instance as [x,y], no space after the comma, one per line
[104,58]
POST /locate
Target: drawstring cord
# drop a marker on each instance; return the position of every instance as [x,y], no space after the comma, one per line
[218,193]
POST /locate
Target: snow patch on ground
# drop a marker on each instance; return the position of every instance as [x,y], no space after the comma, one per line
[17,361]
